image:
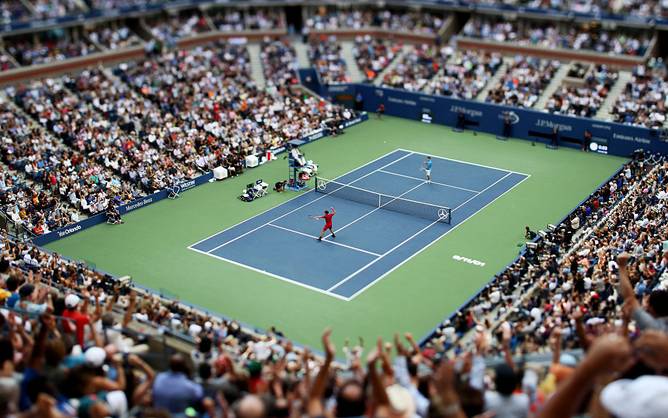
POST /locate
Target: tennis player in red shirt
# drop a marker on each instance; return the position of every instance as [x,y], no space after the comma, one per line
[328,223]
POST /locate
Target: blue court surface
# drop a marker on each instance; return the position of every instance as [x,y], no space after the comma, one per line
[370,241]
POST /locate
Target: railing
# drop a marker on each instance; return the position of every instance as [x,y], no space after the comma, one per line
[15,230]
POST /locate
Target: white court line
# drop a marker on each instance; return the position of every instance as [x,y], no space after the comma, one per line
[432,182]
[482,191]
[463,162]
[378,208]
[328,242]
[407,259]
[355,273]
[276,276]
[304,205]
[296,197]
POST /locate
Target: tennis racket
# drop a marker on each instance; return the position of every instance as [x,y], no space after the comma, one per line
[314,217]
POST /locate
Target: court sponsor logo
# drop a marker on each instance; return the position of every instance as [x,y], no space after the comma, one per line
[599,148]
[468,260]
[471,112]
[546,123]
[67,231]
[315,136]
[402,101]
[631,138]
[352,122]
[339,88]
[187,185]
[599,126]
[139,204]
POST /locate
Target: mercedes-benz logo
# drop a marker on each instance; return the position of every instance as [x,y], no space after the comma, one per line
[442,213]
[322,186]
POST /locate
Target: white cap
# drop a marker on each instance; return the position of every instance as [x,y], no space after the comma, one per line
[71,300]
[644,397]
[95,356]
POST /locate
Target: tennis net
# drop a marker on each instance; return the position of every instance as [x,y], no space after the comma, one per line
[393,203]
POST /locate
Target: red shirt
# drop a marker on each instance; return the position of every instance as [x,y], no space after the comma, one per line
[328,218]
[80,321]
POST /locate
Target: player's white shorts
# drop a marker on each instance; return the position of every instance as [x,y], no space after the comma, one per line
[427,173]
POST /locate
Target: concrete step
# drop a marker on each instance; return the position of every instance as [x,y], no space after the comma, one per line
[400,56]
[356,76]
[257,73]
[302,53]
[500,72]
[618,88]
[553,86]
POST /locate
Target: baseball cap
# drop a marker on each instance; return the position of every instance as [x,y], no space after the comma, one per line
[71,301]
[95,356]
[644,397]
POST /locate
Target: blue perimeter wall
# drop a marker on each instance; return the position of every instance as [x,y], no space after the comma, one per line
[609,138]
[99,218]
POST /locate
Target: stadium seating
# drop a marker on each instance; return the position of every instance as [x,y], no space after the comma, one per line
[279,61]
[553,297]
[325,56]
[584,100]
[547,35]
[541,336]
[465,75]
[424,23]
[524,82]
[643,101]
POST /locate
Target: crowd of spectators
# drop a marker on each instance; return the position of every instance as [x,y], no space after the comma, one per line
[12,11]
[6,63]
[524,81]
[86,132]
[230,20]
[155,123]
[417,67]
[574,265]
[373,55]
[47,9]
[48,48]
[325,55]
[644,99]
[172,28]
[584,100]
[423,22]
[46,184]
[279,62]
[627,7]
[116,4]
[547,35]
[70,345]
[115,37]
[465,75]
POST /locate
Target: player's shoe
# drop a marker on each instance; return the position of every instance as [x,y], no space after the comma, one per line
[333,236]
[319,238]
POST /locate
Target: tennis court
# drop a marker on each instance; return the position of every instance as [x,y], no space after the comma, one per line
[386,214]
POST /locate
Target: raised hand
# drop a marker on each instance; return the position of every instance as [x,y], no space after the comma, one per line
[330,349]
